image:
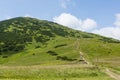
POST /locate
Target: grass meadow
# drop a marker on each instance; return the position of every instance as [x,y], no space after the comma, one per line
[54,72]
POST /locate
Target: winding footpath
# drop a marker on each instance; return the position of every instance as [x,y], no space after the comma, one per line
[107,71]
[112,74]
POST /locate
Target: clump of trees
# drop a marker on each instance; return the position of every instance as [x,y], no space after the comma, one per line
[109,40]
[64,58]
[61,45]
[52,53]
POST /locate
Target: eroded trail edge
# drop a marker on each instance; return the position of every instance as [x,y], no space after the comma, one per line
[112,74]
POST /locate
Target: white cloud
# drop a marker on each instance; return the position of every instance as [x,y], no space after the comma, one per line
[67,20]
[75,23]
[27,15]
[117,22]
[65,3]
[8,17]
[113,31]
[88,24]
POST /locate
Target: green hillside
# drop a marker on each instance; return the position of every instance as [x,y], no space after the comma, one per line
[32,49]
[29,41]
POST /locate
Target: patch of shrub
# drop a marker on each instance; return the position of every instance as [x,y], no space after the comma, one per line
[64,58]
[0,53]
[4,56]
[33,54]
[71,59]
[81,60]
[109,40]
[93,74]
[60,45]
[52,53]
[37,47]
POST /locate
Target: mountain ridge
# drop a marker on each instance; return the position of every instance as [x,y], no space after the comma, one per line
[26,29]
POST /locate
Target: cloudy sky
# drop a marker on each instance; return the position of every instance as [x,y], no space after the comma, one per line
[96,16]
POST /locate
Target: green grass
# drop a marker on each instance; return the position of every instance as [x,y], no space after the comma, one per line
[95,51]
[56,72]
[115,69]
[43,66]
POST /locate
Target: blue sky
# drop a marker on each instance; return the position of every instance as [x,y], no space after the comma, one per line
[95,15]
[101,10]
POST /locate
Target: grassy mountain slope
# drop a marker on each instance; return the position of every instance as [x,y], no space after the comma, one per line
[29,41]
